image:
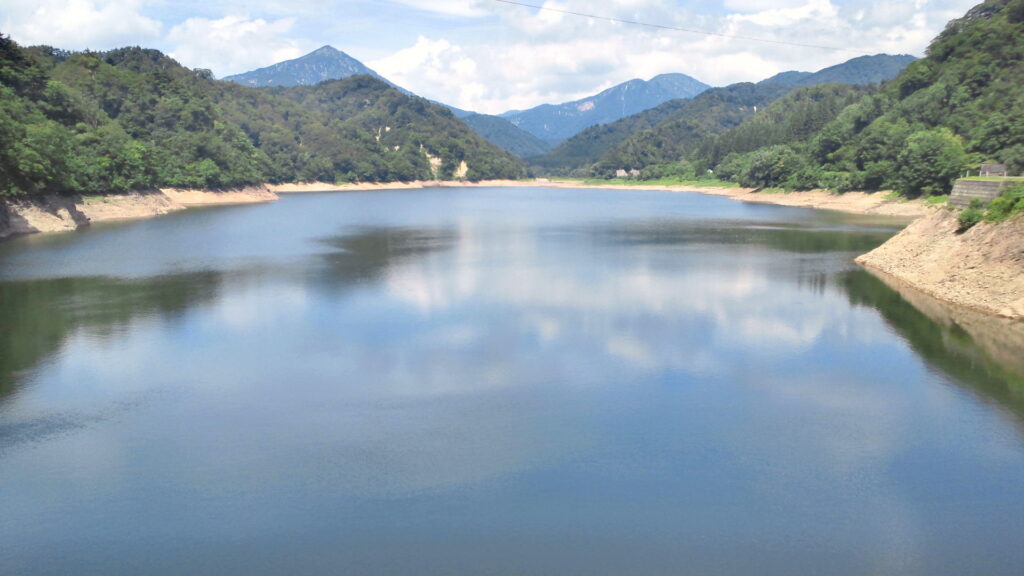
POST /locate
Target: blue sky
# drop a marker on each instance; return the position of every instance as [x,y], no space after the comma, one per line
[488,56]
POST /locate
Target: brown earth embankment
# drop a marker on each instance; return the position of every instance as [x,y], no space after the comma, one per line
[981,269]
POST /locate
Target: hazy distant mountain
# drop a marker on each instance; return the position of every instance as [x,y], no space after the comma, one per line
[502,133]
[554,123]
[859,71]
[661,133]
[326,63]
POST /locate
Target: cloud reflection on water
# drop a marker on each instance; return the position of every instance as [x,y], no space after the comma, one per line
[728,387]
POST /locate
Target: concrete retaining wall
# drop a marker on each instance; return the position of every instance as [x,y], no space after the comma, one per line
[964,191]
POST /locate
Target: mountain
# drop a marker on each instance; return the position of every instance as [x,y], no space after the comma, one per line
[589,146]
[411,130]
[859,71]
[325,63]
[554,123]
[132,119]
[505,134]
[660,134]
[713,112]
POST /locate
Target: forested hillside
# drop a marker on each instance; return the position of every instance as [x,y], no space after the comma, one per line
[960,106]
[657,136]
[862,71]
[663,135]
[710,113]
[589,146]
[507,135]
[132,118]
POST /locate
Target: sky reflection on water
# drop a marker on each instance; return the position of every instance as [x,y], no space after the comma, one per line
[496,381]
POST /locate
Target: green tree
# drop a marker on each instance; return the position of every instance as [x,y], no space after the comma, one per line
[770,167]
[930,162]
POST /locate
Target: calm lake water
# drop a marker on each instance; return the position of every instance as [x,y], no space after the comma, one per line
[496,381]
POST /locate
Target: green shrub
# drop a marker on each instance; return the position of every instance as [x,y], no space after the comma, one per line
[968,218]
[972,215]
[1009,203]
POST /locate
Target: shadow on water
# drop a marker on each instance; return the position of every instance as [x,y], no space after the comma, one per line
[38,316]
[984,353]
[794,238]
[366,255]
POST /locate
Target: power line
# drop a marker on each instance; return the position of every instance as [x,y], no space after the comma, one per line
[679,29]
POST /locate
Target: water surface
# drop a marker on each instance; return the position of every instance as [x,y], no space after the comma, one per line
[496,381]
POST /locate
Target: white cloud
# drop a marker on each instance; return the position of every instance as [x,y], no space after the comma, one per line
[233,44]
[439,67]
[525,57]
[492,57]
[78,24]
[462,8]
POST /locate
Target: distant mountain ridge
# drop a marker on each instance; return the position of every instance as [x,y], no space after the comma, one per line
[504,134]
[555,123]
[324,63]
[859,71]
[678,125]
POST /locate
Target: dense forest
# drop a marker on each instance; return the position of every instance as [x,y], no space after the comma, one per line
[127,119]
[958,107]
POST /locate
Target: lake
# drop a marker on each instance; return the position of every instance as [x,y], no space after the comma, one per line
[497,381]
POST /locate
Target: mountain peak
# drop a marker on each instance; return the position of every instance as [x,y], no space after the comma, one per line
[555,123]
[326,50]
[324,63]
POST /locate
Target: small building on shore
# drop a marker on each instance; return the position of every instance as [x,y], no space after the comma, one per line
[993,171]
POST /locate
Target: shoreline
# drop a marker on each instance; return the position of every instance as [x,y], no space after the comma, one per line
[982,270]
[52,213]
[875,203]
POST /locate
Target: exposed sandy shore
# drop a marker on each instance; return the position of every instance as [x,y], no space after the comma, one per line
[879,203]
[982,269]
[67,213]
[303,187]
[60,213]
[246,195]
